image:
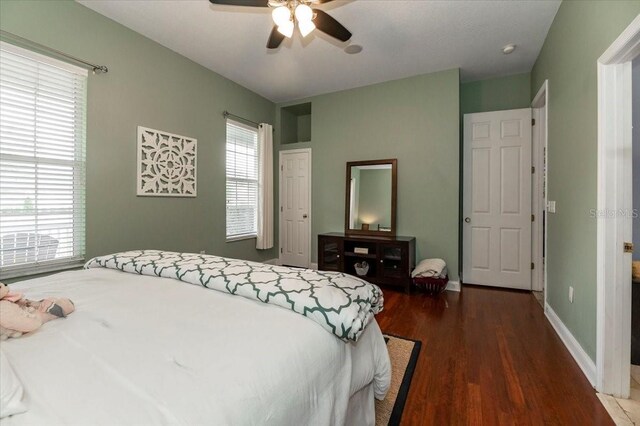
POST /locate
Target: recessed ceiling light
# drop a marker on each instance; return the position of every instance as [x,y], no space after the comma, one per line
[352,49]
[508,48]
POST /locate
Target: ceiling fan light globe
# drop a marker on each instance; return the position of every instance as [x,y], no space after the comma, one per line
[286,29]
[304,13]
[306,27]
[281,15]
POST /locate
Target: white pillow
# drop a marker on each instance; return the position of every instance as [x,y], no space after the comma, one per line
[11,390]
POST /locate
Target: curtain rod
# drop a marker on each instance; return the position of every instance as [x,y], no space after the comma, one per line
[94,67]
[227,114]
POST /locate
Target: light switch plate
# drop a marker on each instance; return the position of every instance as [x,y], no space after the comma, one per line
[551,206]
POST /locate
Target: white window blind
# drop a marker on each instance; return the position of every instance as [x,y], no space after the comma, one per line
[42,163]
[242,181]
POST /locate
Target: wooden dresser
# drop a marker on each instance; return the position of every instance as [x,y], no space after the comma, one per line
[390,259]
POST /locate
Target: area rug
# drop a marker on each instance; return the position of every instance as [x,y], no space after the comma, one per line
[404,356]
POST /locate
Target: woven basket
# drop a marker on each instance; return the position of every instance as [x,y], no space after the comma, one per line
[431,285]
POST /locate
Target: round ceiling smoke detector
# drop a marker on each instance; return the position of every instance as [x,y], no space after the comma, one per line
[352,49]
[508,48]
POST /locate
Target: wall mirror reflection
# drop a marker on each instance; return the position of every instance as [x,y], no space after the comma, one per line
[371,197]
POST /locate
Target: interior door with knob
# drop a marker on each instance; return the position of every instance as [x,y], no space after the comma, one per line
[497,199]
[295,207]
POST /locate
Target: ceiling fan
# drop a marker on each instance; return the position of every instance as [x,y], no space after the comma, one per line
[287,14]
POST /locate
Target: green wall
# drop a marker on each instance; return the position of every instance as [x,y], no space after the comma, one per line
[415,120]
[496,94]
[304,128]
[288,131]
[147,85]
[580,33]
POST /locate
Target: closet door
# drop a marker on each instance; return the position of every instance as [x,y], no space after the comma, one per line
[295,208]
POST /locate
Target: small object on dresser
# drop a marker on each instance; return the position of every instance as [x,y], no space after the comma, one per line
[361,250]
[361,268]
[636,270]
[365,226]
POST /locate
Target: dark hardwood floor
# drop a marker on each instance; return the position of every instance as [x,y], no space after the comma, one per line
[488,357]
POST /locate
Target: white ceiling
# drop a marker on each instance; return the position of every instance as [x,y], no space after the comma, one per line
[401,38]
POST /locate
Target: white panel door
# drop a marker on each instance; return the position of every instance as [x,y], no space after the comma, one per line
[497,199]
[295,208]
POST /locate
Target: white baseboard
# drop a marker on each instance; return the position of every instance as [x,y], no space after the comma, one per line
[585,363]
[313,266]
[453,286]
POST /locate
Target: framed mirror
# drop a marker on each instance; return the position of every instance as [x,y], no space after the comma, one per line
[371,200]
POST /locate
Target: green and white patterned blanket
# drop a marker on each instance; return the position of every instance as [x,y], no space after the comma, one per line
[340,303]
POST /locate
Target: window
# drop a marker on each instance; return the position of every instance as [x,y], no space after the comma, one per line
[42,163]
[242,181]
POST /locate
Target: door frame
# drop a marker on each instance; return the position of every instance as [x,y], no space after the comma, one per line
[613,332]
[539,189]
[310,213]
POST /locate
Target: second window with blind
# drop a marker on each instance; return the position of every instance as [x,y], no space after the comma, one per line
[242,165]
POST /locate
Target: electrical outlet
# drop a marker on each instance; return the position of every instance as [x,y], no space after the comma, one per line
[551,206]
[201,251]
[571,294]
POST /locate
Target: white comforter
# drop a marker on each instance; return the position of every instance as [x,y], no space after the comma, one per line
[146,350]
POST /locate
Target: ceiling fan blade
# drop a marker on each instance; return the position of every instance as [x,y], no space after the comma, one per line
[323,1]
[325,23]
[275,38]
[251,3]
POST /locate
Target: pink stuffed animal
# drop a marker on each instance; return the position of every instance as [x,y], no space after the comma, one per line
[19,315]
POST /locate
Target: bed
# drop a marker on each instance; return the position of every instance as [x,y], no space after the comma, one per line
[143,349]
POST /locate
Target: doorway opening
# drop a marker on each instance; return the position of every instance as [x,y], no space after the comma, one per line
[635,274]
[631,405]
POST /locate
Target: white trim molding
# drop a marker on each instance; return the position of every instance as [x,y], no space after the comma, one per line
[540,136]
[275,261]
[626,47]
[613,333]
[583,360]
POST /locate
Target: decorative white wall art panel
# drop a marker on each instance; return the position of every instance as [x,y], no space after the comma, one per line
[166,164]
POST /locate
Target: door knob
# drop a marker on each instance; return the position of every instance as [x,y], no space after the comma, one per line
[467,219]
[304,216]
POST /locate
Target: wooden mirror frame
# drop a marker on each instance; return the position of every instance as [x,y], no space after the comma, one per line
[394,198]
